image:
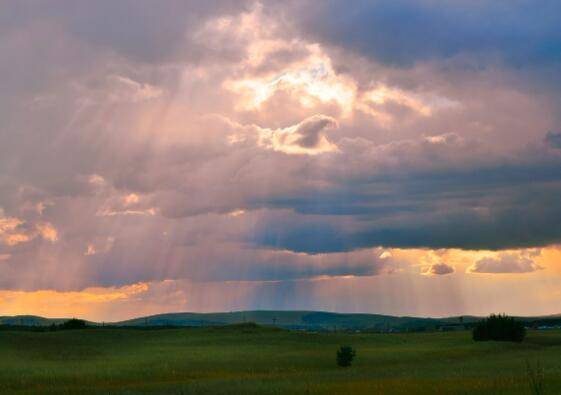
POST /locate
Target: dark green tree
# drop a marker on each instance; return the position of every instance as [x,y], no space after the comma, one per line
[499,327]
[345,356]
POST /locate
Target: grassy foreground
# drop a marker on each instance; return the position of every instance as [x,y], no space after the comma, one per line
[245,360]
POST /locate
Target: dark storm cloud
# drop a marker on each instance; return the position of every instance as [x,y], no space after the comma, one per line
[506,228]
[402,32]
[436,204]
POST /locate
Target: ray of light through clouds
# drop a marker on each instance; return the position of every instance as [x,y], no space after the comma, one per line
[224,155]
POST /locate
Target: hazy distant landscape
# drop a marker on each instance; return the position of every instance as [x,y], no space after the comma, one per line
[296,320]
[305,320]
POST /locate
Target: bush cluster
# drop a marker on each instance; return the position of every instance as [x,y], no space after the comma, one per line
[345,356]
[72,324]
[499,327]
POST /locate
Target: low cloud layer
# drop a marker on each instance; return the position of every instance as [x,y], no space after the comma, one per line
[507,263]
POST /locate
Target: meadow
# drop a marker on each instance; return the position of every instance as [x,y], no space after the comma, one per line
[244,359]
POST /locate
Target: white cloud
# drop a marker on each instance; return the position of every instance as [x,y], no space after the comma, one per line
[521,262]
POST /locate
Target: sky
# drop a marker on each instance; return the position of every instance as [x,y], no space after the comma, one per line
[387,156]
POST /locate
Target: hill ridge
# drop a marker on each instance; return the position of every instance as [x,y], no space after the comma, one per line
[289,319]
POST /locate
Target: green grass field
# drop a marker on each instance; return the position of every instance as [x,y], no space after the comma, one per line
[238,360]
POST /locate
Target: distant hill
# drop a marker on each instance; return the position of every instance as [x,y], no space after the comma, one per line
[29,320]
[307,320]
[304,320]
[301,320]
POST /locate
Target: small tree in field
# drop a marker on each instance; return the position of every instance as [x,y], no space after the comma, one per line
[345,356]
[499,327]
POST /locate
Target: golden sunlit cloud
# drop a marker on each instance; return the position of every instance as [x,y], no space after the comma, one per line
[111,213]
[131,199]
[100,246]
[47,232]
[7,227]
[373,102]
[12,232]
[236,213]
[312,80]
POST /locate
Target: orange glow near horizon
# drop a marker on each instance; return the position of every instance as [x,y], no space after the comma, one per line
[415,296]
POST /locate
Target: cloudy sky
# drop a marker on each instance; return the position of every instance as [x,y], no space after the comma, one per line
[385,156]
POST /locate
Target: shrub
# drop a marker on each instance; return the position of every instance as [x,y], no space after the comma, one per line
[345,356]
[499,327]
[73,324]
